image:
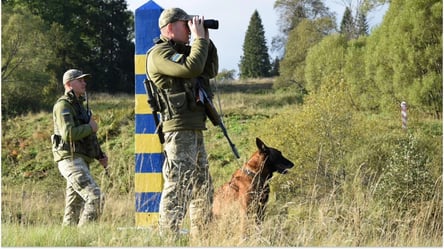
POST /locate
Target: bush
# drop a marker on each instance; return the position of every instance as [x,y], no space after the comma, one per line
[406,177]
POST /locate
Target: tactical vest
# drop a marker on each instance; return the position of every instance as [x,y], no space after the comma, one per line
[179,97]
[87,146]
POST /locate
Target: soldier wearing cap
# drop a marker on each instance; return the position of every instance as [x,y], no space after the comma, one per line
[175,66]
[73,150]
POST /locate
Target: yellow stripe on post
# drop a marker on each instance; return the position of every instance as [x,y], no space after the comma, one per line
[139,63]
[142,106]
[146,219]
[147,143]
[148,182]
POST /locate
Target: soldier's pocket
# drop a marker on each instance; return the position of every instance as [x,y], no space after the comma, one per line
[178,102]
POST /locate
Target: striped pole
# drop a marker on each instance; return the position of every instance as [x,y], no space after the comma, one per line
[404,114]
[148,150]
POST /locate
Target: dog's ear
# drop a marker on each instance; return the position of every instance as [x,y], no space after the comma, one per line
[261,145]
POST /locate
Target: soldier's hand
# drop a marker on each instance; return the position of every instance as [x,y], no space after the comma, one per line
[104,161]
[196,27]
[93,124]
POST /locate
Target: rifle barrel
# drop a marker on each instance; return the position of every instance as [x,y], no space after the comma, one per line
[232,145]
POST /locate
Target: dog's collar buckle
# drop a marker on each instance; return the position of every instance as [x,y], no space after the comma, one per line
[249,172]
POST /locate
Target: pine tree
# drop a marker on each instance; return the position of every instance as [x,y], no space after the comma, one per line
[361,24]
[275,67]
[347,25]
[255,61]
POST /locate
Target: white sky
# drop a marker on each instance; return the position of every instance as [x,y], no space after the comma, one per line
[234,17]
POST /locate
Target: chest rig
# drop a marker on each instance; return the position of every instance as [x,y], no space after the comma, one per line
[179,95]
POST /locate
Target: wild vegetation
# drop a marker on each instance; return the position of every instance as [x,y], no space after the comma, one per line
[359,178]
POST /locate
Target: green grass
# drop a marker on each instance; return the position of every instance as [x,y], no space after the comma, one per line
[330,198]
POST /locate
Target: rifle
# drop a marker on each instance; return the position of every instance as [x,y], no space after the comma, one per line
[155,107]
[94,138]
[212,114]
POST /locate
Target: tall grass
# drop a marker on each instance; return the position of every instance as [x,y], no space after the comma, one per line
[330,198]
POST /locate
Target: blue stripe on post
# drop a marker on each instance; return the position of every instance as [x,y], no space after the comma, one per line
[149,163]
[140,87]
[147,202]
[145,123]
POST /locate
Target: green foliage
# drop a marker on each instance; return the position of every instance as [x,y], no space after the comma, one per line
[41,40]
[26,54]
[226,74]
[361,24]
[404,56]
[400,61]
[363,95]
[319,138]
[354,26]
[347,27]
[293,12]
[255,61]
[332,197]
[275,67]
[307,34]
[406,178]
[324,61]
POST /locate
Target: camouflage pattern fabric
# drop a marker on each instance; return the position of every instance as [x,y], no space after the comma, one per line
[81,192]
[187,182]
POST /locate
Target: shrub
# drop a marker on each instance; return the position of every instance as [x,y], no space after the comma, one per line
[406,178]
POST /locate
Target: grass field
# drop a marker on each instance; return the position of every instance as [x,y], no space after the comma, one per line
[358,180]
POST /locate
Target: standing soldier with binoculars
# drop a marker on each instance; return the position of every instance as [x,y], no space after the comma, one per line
[174,67]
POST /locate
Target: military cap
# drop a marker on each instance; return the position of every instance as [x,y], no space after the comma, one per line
[173,15]
[73,74]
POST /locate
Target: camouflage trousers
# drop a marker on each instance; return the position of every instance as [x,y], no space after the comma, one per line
[83,197]
[187,183]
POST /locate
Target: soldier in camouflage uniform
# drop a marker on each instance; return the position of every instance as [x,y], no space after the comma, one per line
[74,148]
[175,66]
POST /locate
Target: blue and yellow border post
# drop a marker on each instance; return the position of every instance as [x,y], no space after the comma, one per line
[148,150]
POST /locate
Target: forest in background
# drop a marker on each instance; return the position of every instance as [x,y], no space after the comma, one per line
[359,179]
[400,60]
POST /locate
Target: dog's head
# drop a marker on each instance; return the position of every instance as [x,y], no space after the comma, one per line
[275,161]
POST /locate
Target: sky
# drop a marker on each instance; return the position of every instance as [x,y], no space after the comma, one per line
[234,19]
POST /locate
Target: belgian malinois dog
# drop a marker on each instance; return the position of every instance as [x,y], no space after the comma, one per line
[248,188]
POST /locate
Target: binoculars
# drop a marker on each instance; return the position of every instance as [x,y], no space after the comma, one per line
[211,24]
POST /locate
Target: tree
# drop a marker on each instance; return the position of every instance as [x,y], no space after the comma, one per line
[361,25]
[255,61]
[98,35]
[226,74]
[305,22]
[353,27]
[347,28]
[26,55]
[325,61]
[404,56]
[275,67]
[293,12]
[307,34]
[363,95]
